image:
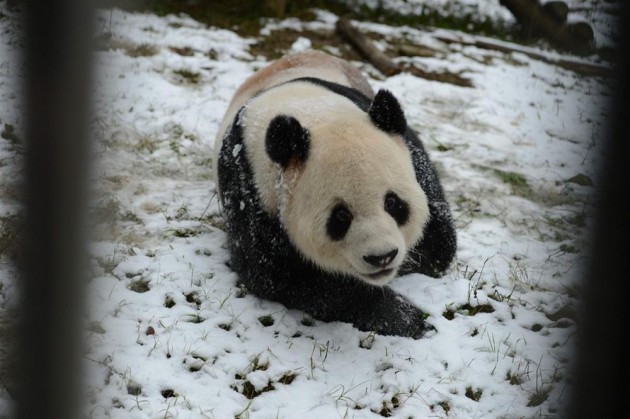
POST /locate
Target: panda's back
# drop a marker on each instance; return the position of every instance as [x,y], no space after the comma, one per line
[305,64]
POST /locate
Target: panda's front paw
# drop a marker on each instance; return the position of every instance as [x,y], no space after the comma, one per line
[414,324]
[397,316]
[415,330]
[428,330]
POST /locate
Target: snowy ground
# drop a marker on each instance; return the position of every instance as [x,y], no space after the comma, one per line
[169,333]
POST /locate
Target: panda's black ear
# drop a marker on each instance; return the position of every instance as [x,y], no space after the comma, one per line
[286,139]
[386,113]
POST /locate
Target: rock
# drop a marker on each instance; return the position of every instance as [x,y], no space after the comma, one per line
[582,32]
[583,37]
[557,10]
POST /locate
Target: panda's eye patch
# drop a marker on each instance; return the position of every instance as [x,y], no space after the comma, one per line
[397,208]
[339,222]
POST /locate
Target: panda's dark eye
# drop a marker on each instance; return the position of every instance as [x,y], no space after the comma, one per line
[397,208]
[343,216]
[339,222]
[390,203]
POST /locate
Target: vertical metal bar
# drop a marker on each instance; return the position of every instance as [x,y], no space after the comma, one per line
[57,35]
[602,370]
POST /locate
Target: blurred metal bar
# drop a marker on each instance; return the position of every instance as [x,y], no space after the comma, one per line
[58,71]
[602,370]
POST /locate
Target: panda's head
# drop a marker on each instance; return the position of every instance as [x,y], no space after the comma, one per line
[350,202]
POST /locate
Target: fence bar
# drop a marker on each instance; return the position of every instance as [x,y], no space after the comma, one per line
[58,71]
[602,368]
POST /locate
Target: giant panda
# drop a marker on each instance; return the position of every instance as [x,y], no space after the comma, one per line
[327,195]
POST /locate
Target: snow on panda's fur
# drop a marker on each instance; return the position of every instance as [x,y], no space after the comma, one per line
[327,195]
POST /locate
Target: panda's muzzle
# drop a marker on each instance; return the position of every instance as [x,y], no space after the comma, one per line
[381,261]
[380,274]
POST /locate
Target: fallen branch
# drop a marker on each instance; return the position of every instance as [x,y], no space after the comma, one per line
[443,77]
[386,65]
[414,50]
[366,47]
[580,67]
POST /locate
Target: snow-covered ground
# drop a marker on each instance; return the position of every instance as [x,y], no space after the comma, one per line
[170,334]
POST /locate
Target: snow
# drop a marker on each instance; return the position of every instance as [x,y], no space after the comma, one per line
[170,333]
[301,44]
[489,9]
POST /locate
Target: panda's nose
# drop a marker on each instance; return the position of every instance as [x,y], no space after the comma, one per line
[381,261]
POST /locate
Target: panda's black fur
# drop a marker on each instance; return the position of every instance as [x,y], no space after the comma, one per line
[270,266]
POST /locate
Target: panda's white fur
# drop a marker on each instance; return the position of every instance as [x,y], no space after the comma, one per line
[349,160]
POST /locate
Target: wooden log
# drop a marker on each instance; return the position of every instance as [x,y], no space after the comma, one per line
[386,65]
[444,76]
[413,50]
[366,47]
[580,67]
